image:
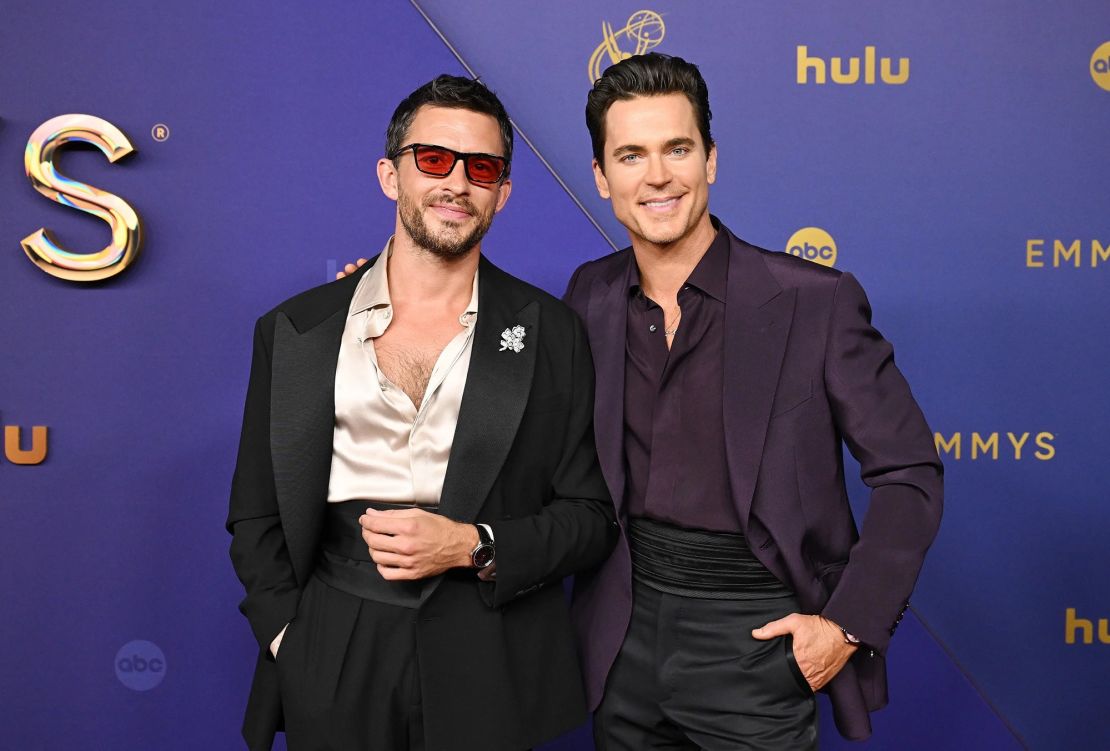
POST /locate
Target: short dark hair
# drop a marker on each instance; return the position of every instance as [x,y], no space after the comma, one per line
[453,92]
[652,74]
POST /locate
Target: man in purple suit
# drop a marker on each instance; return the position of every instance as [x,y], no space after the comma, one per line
[727,379]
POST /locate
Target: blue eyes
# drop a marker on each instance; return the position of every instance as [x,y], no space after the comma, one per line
[677,151]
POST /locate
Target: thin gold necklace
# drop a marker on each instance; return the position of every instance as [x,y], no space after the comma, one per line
[671,331]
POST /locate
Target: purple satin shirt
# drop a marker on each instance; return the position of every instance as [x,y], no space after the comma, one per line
[674,444]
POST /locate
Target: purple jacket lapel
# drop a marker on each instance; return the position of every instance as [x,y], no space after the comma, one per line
[758,314]
[607,320]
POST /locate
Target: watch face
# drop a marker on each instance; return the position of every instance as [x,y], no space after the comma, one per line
[483,556]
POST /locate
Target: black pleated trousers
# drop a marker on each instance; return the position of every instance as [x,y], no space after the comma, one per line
[349,674]
[690,676]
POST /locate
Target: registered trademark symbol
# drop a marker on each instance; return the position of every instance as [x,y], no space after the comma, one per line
[160,132]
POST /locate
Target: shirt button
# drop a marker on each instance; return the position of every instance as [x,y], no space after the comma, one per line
[386,314]
[651,327]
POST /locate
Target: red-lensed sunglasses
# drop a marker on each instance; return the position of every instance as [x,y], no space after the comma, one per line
[483,169]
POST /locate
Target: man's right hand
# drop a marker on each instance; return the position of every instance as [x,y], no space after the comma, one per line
[351,268]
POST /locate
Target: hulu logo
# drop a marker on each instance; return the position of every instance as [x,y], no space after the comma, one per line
[1073,627]
[850,70]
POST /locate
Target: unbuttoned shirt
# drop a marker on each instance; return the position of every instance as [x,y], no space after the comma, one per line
[383,447]
[674,436]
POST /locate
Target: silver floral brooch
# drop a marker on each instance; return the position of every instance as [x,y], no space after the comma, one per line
[512,339]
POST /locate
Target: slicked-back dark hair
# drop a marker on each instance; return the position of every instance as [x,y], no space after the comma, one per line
[652,74]
[452,92]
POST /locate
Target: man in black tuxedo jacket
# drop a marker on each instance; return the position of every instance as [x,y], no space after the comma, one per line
[417,462]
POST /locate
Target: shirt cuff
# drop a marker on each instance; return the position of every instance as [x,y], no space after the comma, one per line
[276,643]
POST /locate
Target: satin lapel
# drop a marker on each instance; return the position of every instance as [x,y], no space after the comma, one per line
[607,322]
[758,314]
[302,420]
[497,387]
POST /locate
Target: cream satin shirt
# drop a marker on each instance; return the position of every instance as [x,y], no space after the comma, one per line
[383,447]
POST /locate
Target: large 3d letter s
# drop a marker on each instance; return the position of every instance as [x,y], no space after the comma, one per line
[41,247]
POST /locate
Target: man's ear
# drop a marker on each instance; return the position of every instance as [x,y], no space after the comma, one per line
[504,189]
[387,178]
[600,181]
[711,165]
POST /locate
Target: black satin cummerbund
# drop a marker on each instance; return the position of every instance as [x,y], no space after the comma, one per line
[345,561]
[697,563]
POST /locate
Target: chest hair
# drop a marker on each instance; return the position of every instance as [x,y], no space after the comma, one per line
[409,367]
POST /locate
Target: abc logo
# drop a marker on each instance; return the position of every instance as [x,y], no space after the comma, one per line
[813,244]
[1100,66]
[140,665]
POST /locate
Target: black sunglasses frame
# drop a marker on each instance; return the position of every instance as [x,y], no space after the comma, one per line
[455,156]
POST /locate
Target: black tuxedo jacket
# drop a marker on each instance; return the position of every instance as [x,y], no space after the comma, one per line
[804,373]
[497,659]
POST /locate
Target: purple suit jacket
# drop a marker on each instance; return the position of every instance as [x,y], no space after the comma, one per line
[804,372]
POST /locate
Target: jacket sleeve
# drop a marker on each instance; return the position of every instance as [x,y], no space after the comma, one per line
[258,549]
[575,531]
[887,433]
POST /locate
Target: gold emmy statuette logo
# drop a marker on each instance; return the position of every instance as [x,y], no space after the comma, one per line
[644,31]
[41,247]
[1100,66]
[813,244]
[836,68]
[13,445]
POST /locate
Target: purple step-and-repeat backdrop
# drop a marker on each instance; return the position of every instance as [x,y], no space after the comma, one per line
[952,155]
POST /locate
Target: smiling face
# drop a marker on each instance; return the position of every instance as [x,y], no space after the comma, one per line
[446,216]
[656,172]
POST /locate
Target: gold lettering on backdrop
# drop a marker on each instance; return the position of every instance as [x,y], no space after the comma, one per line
[1033,254]
[40,246]
[850,74]
[1074,626]
[838,74]
[1059,251]
[979,446]
[1099,254]
[1065,253]
[1044,442]
[1017,444]
[13,448]
[950,446]
[989,445]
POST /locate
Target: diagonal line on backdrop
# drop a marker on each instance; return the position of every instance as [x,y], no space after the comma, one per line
[517,128]
[974,684]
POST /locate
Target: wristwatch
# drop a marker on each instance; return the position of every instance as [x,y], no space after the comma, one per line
[483,554]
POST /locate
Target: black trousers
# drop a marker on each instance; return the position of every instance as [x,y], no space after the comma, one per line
[349,675]
[690,676]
